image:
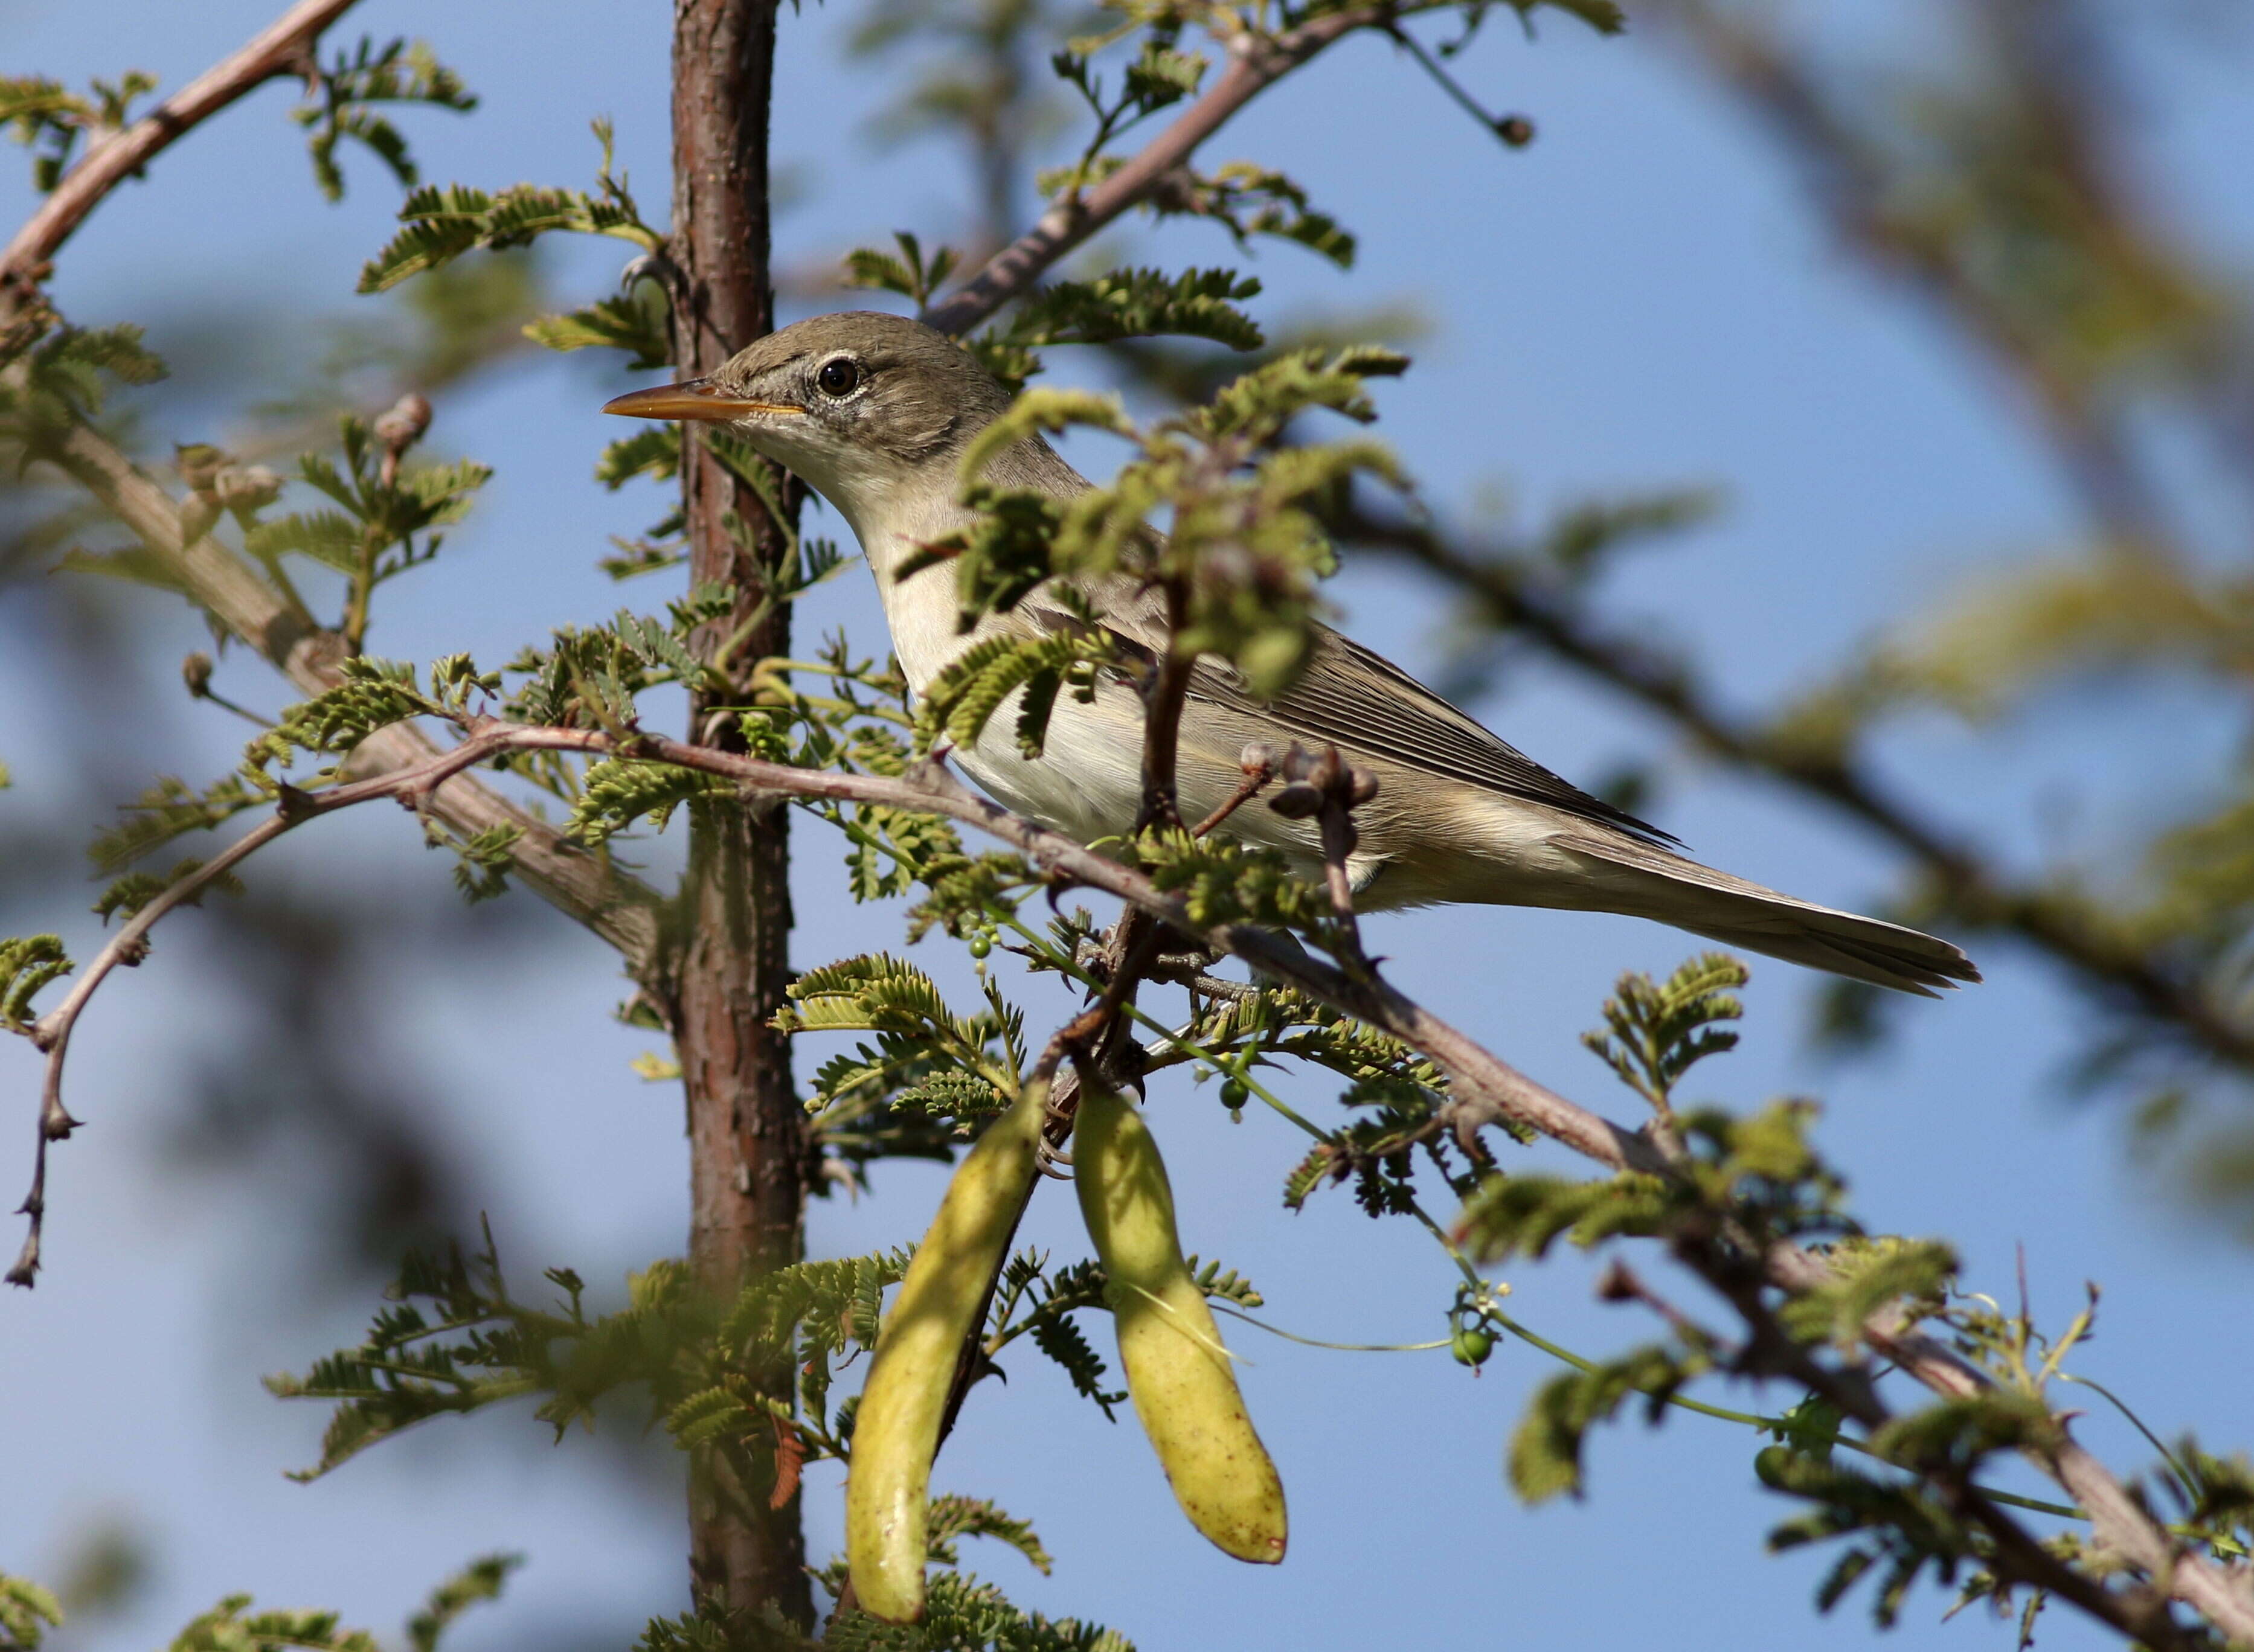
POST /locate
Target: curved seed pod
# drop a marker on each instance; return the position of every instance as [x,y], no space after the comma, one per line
[1177,1369]
[887,1490]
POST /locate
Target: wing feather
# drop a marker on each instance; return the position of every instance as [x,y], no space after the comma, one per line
[1358,700]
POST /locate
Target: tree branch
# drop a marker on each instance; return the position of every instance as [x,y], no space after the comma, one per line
[1255,62]
[615,905]
[1974,888]
[749,1158]
[415,784]
[284,46]
[1483,1088]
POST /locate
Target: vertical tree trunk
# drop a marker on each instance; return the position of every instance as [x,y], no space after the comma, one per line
[747,1135]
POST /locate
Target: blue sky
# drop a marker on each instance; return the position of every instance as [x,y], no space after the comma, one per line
[1637,300]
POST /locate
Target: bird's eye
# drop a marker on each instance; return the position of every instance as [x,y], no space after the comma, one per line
[837,377]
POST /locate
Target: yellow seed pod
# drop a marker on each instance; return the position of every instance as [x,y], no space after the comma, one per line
[1177,1371]
[887,1492]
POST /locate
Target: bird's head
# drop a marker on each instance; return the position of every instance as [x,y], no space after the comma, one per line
[857,404]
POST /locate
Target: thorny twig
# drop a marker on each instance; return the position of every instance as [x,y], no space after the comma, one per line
[1255,61]
[614,904]
[51,1034]
[284,46]
[1482,1083]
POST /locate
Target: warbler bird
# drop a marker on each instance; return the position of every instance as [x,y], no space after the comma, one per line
[873,412]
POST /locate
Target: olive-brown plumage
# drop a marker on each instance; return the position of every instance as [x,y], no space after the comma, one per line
[873,412]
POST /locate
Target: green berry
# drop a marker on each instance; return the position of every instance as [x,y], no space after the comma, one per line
[981,943]
[1472,1345]
[1234,1093]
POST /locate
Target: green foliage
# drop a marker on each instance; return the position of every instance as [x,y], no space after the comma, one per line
[65,383]
[1031,1301]
[27,963]
[384,507]
[169,808]
[480,873]
[1399,1093]
[634,321]
[1545,1456]
[1524,1215]
[1119,303]
[2211,1497]
[1246,546]
[1866,1275]
[878,992]
[343,99]
[1657,1033]
[443,224]
[962,1614]
[618,792]
[475,1346]
[1159,77]
[127,895]
[481,1581]
[654,451]
[49,119]
[375,694]
[232,1626]
[591,677]
[906,272]
[971,687]
[1249,200]
[26,1613]
[955,1516]
[1222,882]
[1379,1150]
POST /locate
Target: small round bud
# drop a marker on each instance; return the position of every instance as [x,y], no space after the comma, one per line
[403,427]
[1297,763]
[1361,786]
[250,488]
[196,672]
[1299,801]
[1516,130]
[1259,757]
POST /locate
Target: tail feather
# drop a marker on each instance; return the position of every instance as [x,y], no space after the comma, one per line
[1648,882]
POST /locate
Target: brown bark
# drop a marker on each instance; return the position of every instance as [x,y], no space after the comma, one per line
[746,1132]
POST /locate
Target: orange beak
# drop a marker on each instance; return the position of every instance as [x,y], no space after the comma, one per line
[691,399]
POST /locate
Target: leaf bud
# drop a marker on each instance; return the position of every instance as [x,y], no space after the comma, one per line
[1258,757]
[403,427]
[1516,130]
[252,487]
[1361,786]
[1299,801]
[196,672]
[1296,762]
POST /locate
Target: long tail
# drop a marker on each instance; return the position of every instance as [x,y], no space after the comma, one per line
[1648,881]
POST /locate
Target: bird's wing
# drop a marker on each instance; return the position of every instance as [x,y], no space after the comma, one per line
[1360,701]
